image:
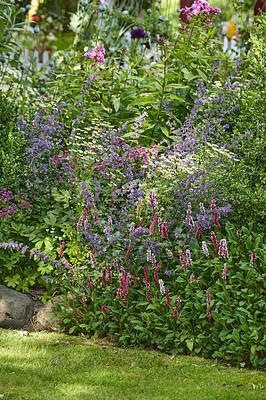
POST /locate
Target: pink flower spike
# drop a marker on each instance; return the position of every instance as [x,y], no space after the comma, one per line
[153,202]
[224,272]
[208,313]
[104,278]
[67,266]
[80,313]
[238,232]
[119,293]
[182,260]
[156,277]
[215,219]
[197,234]
[105,310]
[205,249]
[116,265]
[164,231]
[146,273]
[175,314]
[213,207]
[214,241]
[79,224]
[151,228]
[178,302]
[168,300]
[61,249]
[138,207]
[141,222]
[188,257]
[208,297]
[223,252]
[253,258]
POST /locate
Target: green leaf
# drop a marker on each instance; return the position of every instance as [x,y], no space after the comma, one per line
[143,100]
[202,75]
[190,345]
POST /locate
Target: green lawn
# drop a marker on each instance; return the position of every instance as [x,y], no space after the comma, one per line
[41,366]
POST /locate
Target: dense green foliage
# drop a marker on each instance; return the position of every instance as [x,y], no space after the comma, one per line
[121,157]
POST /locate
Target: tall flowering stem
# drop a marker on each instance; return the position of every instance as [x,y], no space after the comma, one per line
[214,241]
[182,260]
[168,300]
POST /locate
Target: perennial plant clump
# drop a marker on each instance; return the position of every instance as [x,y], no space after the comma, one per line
[137,183]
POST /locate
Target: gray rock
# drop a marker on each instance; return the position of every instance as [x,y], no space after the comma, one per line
[16,308]
[48,322]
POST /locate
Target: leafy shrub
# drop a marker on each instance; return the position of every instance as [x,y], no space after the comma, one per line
[208,301]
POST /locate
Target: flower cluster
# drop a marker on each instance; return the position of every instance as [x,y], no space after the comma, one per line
[202,9]
[97,54]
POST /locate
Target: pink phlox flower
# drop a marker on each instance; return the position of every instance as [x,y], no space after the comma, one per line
[205,249]
[168,300]
[96,54]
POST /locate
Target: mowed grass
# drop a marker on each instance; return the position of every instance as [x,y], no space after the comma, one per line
[55,366]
